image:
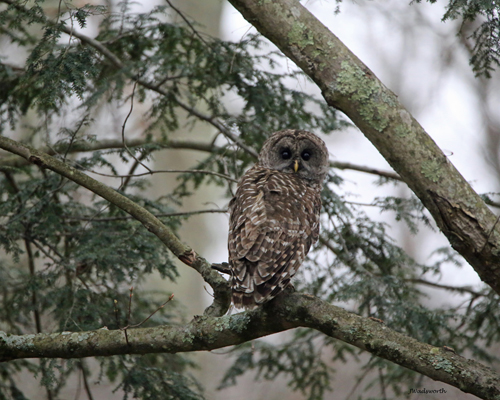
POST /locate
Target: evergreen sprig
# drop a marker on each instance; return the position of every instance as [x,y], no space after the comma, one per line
[486,36]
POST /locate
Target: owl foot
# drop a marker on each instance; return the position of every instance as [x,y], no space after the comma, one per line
[289,289]
[224,268]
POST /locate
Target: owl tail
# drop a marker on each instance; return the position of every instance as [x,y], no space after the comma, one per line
[244,300]
[260,295]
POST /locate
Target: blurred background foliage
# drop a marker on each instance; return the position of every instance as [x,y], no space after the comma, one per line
[69,259]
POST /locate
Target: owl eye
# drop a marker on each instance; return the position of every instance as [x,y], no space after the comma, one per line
[286,154]
[306,155]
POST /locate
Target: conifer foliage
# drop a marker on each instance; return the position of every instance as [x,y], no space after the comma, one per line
[68,258]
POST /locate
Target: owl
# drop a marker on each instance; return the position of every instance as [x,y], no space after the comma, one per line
[274,216]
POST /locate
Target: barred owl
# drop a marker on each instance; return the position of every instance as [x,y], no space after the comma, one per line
[275,216]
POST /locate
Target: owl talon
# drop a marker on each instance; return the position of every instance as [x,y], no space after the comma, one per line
[289,288]
[223,267]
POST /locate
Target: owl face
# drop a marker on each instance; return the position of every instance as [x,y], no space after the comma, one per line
[296,152]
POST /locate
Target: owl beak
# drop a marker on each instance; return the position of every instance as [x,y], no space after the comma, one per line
[295,165]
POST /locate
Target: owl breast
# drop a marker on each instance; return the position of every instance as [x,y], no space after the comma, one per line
[274,221]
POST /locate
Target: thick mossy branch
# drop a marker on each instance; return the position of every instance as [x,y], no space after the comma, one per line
[349,85]
[150,222]
[286,312]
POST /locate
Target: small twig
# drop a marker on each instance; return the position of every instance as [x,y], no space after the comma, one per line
[46,253]
[489,234]
[223,267]
[356,203]
[34,300]
[359,379]
[85,381]
[58,11]
[130,304]
[164,215]
[31,259]
[153,313]
[172,78]
[127,180]
[73,136]
[10,178]
[165,171]
[462,289]
[382,383]
[125,124]
[492,203]
[188,23]
[126,336]
[39,246]
[118,322]
[125,328]
[115,302]
[210,294]
[217,124]
[368,170]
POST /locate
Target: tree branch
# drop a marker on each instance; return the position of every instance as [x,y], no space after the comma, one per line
[14,161]
[368,170]
[166,171]
[349,85]
[150,222]
[459,289]
[167,215]
[285,312]
[110,144]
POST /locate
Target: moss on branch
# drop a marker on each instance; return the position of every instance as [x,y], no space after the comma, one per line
[286,312]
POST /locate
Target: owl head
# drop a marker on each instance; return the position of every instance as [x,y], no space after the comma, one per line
[298,152]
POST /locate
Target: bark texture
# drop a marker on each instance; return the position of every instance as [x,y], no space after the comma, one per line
[285,312]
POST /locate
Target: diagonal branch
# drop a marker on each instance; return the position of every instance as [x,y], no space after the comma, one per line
[150,222]
[162,215]
[286,312]
[349,85]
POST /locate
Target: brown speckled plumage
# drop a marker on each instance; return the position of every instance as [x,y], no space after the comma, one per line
[275,216]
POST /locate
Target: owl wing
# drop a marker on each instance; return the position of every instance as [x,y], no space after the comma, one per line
[274,222]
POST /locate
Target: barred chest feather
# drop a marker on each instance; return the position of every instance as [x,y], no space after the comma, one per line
[274,221]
